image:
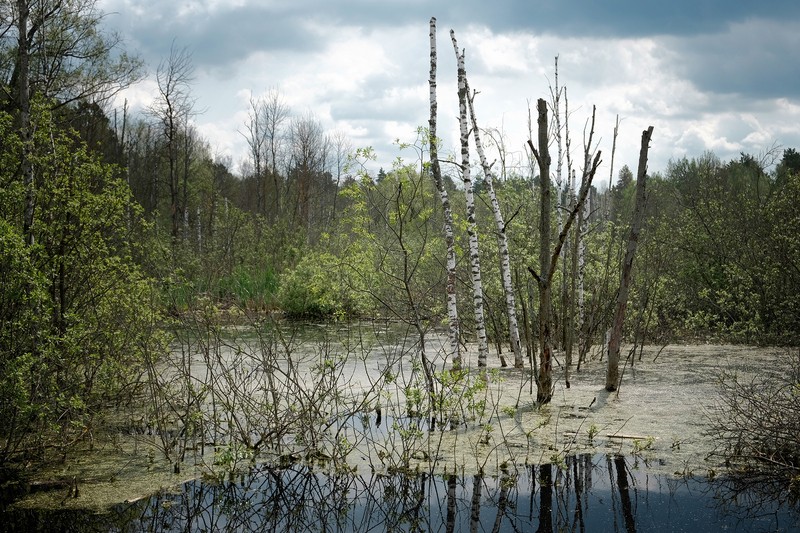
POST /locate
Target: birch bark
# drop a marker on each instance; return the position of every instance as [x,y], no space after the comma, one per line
[454,327]
[472,227]
[502,238]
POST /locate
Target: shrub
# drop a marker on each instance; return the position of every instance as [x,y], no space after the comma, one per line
[757,425]
[318,287]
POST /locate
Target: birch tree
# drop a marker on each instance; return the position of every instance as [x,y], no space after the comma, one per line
[612,373]
[454,328]
[502,238]
[556,96]
[469,192]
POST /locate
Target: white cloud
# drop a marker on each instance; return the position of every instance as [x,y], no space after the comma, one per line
[372,81]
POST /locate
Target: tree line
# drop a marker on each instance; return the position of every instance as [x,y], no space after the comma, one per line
[114,225]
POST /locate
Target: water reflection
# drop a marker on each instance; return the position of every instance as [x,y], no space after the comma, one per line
[584,493]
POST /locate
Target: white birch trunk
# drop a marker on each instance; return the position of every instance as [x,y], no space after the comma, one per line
[559,143]
[24,103]
[472,230]
[454,327]
[502,239]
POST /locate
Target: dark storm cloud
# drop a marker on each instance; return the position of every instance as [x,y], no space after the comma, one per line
[621,18]
[757,59]
[578,18]
[220,37]
[216,39]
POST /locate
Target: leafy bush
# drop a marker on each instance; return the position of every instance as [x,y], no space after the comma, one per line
[77,313]
[318,287]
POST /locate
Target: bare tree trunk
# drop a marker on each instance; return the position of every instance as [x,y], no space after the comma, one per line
[255,138]
[454,329]
[172,108]
[24,102]
[556,94]
[199,230]
[572,289]
[602,288]
[581,327]
[502,239]
[275,114]
[172,150]
[561,326]
[612,375]
[472,226]
[186,157]
[544,381]
[549,259]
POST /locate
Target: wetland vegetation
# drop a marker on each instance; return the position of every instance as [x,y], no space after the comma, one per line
[316,329]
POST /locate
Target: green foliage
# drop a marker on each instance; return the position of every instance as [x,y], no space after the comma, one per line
[77,313]
[733,259]
[318,288]
[642,445]
[247,285]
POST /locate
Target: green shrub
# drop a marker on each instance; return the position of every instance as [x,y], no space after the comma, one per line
[318,288]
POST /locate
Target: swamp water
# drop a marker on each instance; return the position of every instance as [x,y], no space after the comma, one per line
[356,456]
[584,493]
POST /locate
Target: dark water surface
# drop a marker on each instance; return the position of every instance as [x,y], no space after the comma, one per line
[586,493]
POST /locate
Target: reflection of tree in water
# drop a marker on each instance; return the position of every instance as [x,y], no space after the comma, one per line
[583,493]
[750,495]
[624,496]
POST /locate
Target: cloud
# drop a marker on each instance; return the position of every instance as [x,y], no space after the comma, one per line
[708,74]
[756,58]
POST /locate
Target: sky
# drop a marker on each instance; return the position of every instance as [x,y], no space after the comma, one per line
[708,75]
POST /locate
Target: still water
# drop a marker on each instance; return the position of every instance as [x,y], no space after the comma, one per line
[585,493]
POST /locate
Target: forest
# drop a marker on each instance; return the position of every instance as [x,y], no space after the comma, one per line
[123,235]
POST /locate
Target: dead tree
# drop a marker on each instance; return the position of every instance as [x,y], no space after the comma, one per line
[612,374]
[502,239]
[548,259]
[454,329]
[469,192]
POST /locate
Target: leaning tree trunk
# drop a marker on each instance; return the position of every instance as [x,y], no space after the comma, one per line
[502,240]
[472,226]
[454,328]
[612,374]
